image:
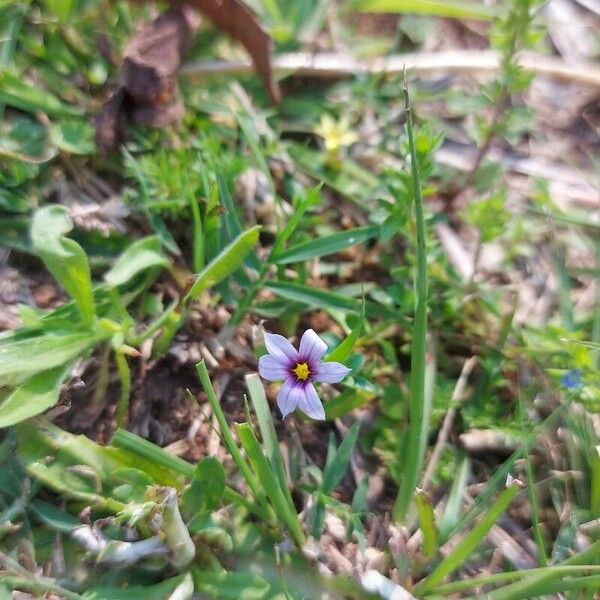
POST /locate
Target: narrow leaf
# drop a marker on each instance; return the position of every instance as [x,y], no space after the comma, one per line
[469,543]
[326,245]
[336,469]
[453,9]
[229,260]
[427,523]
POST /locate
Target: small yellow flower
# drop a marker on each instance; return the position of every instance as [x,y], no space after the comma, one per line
[336,135]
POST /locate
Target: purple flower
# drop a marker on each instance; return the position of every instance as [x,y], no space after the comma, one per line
[298,369]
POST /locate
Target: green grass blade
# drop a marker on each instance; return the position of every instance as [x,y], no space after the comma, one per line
[427,523]
[452,9]
[451,514]
[533,586]
[338,465]
[418,414]
[342,352]
[267,430]
[227,436]
[283,508]
[469,543]
[325,246]
[482,581]
[326,300]
[229,260]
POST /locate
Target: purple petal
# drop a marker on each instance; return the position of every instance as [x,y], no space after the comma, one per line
[310,404]
[279,346]
[331,372]
[273,368]
[312,347]
[288,397]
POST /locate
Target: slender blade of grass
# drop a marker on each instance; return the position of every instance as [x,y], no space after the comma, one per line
[469,543]
[418,424]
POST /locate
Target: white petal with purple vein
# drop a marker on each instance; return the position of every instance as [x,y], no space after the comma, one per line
[331,372]
[277,345]
[310,403]
[273,368]
[288,397]
[312,347]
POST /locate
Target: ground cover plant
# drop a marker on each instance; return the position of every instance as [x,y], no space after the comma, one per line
[299,299]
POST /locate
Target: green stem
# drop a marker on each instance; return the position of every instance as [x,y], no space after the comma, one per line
[418,427]
[125,380]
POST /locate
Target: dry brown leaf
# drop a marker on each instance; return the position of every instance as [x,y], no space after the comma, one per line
[148,94]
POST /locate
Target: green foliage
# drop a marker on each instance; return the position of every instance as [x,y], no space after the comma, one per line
[489,216]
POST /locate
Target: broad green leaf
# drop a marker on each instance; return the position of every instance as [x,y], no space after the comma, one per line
[467,545]
[63,257]
[16,92]
[41,353]
[139,256]
[33,397]
[52,516]
[229,260]
[325,300]
[207,487]
[326,245]
[453,9]
[337,467]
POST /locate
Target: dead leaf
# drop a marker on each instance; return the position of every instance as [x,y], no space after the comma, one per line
[237,20]
[148,94]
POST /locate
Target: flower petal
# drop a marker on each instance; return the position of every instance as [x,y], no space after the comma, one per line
[288,397]
[312,347]
[273,368]
[279,346]
[310,404]
[331,372]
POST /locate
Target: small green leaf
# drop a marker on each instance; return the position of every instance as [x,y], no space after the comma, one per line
[63,257]
[139,256]
[326,245]
[73,136]
[427,523]
[207,487]
[229,260]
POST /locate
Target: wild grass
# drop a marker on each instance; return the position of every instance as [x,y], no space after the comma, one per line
[143,456]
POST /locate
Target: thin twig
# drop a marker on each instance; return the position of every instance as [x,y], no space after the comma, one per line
[468,62]
[457,396]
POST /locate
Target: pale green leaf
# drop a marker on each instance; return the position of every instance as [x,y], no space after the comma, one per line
[63,257]
[36,395]
[139,256]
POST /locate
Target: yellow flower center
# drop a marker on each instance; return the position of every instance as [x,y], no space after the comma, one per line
[302,371]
